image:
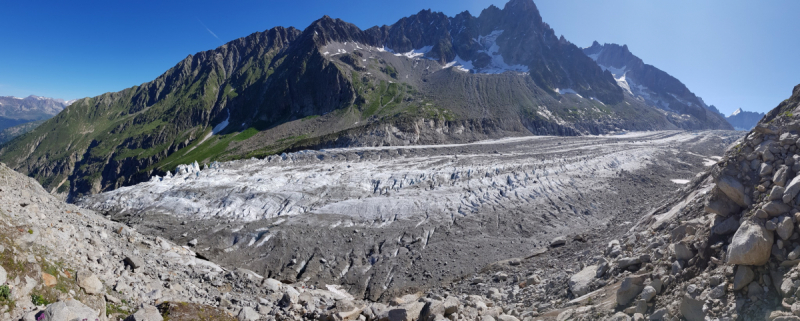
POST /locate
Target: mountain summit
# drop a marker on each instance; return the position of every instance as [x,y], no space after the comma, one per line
[652,85]
[426,79]
[744,120]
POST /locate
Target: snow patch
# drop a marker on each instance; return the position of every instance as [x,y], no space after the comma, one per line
[416,53]
[221,125]
[567,91]
[459,64]
[497,64]
[680,181]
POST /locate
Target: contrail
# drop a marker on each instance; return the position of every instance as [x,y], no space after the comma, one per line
[209,30]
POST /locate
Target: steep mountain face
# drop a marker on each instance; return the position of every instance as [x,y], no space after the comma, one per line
[16,111]
[652,85]
[744,120]
[427,79]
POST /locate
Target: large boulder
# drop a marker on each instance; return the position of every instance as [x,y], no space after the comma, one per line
[682,251]
[751,245]
[776,208]
[726,227]
[67,310]
[408,312]
[721,204]
[248,314]
[791,190]
[734,190]
[145,313]
[631,287]
[785,227]
[450,305]
[780,176]
[89,282]
[579,283]
[691,307]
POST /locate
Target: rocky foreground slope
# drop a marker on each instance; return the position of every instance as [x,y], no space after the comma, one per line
[727,249]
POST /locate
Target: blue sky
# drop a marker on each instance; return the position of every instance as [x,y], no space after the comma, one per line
[731,53]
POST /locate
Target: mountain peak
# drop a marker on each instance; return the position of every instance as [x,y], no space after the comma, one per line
[738,111]
[522,5]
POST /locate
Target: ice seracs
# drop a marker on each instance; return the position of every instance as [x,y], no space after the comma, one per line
[352,184]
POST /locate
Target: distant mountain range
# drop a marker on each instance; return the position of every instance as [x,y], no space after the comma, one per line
[20,115]
[744,120]
[652,85]
[426,79]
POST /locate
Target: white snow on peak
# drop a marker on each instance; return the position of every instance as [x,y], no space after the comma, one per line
[416,53]
[738,111]
[497,64]
[567,91]
[617,72]
[221,125]
[623,82]
[16,98]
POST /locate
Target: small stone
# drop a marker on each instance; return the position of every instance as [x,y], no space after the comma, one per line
[559,241]
[450,305]
[776,208]
[734,190]
[631,287]
[728,226]
[785,227]
[628,261]
[579,283]
[648,293]
[718,291]
[134,262]
[248,314]
[49,280]
[619,316]
[677,267]
[682,251]
[794,254]
[744,275]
